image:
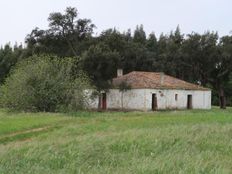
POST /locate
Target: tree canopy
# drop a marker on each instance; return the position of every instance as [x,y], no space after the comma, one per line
[204,59]
[45,83]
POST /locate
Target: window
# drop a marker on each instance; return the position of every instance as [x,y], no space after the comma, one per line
[176,97]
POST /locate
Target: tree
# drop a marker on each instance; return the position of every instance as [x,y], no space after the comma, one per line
[152,43]
[220,76]
[139,35]
[8,58]
[101,64]
[123,87]
[114,40]
[210,61]
[44,83]
[64,36]
[203,59]
[160,59]
[174,53]
[169,54]
[70,28]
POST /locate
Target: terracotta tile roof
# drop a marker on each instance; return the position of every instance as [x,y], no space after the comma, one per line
[153,80]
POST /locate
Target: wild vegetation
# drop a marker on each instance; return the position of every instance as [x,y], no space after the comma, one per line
[133,142]
[45,83]
[204,59]
[51,72]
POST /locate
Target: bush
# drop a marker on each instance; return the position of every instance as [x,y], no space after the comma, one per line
[45,83]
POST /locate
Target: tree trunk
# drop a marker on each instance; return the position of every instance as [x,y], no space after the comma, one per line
[222,98]
[70,44]
[122,99]
[99,101]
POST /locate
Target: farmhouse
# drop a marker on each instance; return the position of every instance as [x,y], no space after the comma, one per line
[149,91]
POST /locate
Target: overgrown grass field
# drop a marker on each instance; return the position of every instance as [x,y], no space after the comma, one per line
[134,142]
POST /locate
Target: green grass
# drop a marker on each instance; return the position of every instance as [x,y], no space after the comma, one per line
[12,122]
[116,142]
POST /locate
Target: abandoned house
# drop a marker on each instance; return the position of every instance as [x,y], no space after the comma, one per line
[149,91]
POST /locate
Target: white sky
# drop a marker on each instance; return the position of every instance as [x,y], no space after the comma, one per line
[19,17]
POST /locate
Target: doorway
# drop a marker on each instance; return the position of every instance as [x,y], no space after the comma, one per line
[154,102]
[103,101]
[189,102]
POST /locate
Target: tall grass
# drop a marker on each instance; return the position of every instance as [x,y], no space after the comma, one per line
[133,142]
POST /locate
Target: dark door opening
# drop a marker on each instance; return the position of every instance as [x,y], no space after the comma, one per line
[103,101]
[189,102]
[154,102]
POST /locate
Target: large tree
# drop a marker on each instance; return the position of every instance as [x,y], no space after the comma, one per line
[220,76]
[209,61]
[198,58]
[101,64]
[8,58]
[65,34]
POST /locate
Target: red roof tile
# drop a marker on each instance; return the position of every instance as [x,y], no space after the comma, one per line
[152,80]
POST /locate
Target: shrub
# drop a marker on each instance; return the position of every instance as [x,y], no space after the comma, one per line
[45,83]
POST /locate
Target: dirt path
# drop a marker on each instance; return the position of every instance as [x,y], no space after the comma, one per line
[34,130]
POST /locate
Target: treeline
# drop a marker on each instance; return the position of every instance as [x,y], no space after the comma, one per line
[204,59]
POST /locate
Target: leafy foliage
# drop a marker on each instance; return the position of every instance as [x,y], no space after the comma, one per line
[8,58]
[204,59]
[44,83]
[64,35]
[101,64]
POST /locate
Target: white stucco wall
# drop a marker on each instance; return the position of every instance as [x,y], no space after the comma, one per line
[132,99]
[141,99]
[166,99]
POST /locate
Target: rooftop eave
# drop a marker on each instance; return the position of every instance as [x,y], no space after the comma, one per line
[171,88]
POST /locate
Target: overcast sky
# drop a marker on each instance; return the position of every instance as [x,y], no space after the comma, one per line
[19,17]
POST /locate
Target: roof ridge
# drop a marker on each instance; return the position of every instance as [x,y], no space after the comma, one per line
[146,72]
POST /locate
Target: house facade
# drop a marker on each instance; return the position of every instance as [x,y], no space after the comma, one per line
[147,91]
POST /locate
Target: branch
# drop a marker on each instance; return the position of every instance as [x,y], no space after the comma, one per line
[223,73]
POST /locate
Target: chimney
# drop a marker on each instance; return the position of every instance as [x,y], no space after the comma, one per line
[119,72]
[161,78]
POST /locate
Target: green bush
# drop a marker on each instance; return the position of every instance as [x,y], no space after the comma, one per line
[45,83]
